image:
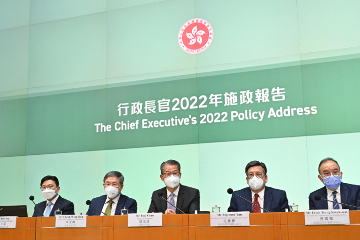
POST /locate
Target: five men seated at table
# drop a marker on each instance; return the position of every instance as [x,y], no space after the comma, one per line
[176,198]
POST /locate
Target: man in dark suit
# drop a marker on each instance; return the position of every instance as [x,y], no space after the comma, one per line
[113,201]
[50,190]
[271,199]
[334,190]
[185,198]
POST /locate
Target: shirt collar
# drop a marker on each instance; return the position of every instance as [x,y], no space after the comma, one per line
[261,194]
[330,193]
[115,200]
[176,192]
[53,201]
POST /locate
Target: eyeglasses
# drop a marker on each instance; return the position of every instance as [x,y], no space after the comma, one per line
[258,174]
[327,174]
[168,174]
[113,184]
[48,186]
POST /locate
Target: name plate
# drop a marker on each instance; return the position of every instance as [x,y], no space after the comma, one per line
[327,217]
[8,222]
[144,219]
[70,221]
[229,219]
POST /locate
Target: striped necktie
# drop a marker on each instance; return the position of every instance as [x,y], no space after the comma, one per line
[335,202]
[108,208]
[256,201]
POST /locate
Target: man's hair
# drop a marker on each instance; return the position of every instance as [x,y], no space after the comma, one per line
[169,162]
[326,160]
[115,174]
[48,177]
[255,163]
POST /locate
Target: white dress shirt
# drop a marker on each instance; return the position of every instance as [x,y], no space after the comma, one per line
[260,198]
[176,192]
[113,206]
[52,205]
[330,197]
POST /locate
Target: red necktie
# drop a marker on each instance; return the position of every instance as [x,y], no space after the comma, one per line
[255,208]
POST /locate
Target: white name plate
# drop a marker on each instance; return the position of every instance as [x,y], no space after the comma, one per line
[229,219]
[327,217]
[144,219]
[8,222]
[70,221]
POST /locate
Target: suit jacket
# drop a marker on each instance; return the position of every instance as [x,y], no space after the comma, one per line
[124,202]
[188,200]
[275,200]
[64,205]
[350,194]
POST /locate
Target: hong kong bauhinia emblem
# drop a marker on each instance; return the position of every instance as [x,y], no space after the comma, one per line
[195,36]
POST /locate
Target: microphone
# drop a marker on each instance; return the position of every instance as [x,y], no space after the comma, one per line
[230,191]
[161,196]
[32,199]
[317,197]
[88,202]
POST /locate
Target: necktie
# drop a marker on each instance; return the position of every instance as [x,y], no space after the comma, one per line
[335,203]
[255,208]
[108,208]
[48,210]
[172,201]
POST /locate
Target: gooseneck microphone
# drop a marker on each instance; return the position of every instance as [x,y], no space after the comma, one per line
[88,202]
[318,198]
[230,191]
[161,196]
[32,199]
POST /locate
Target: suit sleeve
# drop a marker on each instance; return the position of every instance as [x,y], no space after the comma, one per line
[358,197]
[232,207]
[152,207]
[195,203]
[88,213]
[284,202]
[133,206]
[68,209]
[311,203]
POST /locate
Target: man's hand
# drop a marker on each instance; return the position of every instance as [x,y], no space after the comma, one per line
[170,211]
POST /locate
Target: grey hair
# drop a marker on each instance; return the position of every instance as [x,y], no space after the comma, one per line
[115,174]
[169,162]
[326,160]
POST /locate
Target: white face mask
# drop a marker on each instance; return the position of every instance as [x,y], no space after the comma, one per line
[256,183]
[111,191]
[48,193]
[172,181]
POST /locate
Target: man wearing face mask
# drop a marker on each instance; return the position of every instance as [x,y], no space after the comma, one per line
[334,190]
[271,199]
[185,198]
[113,201]
[50,191]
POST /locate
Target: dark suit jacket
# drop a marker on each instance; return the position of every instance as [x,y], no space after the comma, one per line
[64,205]
[188,200]
[350,194]
[124,202]
[275,200]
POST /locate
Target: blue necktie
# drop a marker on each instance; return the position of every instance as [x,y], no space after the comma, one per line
[172,201]
[335,203]
[48,210]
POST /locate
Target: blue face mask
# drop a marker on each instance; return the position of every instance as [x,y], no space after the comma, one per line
[332,182]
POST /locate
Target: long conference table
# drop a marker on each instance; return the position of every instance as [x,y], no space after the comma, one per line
[195,226]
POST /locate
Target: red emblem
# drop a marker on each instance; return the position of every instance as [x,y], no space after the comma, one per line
[195,36]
